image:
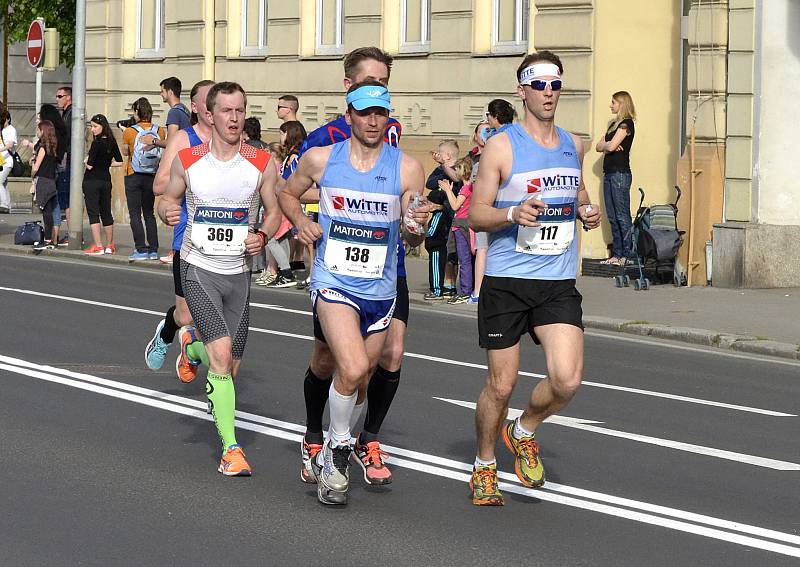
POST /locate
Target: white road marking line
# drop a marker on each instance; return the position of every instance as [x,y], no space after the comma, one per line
[664,395]
[659,343]
[515,413]
[587,425]
[679,520]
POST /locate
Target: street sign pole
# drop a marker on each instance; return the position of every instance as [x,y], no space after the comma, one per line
[78,146]
[36,55]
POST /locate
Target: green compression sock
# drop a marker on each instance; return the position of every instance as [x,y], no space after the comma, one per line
[222,395]
[197,351]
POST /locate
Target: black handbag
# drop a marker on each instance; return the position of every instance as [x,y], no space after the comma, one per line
[29,233]
[18,168]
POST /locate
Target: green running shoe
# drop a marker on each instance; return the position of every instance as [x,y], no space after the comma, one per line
[527,465]
[483,484]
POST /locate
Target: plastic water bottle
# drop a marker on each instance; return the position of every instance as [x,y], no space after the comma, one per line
[411,225]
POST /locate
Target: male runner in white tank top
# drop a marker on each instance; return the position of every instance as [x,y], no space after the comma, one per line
[528,195]
[224,182]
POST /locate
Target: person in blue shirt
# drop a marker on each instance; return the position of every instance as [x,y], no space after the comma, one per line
[365,187]
[361,64]
[529,195]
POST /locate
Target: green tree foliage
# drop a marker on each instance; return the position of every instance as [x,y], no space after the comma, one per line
[17,16]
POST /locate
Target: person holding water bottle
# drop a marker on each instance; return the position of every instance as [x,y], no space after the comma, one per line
[529,196]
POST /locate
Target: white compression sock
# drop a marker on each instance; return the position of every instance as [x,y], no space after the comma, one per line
[357,410]
[341,409]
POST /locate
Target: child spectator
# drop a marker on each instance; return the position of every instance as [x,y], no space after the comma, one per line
[460,228]
[103,154]
[43,186]
[436,245]
[446,156]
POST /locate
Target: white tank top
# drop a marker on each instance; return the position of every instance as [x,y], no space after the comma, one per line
[222,201]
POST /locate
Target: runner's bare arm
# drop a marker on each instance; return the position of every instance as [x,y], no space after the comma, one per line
[269,198]
[309,171]
[412,183]
[483,215]
[169,206]
[591,219]
[175,144]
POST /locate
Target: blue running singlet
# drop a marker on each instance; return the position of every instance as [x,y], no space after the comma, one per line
[180,228]
[360,217]
[548,251]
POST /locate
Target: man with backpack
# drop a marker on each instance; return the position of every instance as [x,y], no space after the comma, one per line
[143,160]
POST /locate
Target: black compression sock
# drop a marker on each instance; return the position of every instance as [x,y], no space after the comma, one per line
[380,393]
[297,265]
[170,328]
[316,391]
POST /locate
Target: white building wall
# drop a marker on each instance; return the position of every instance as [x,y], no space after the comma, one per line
[775,162]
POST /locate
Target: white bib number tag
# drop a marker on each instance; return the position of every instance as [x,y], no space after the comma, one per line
[554,234]
[220,231]
[355,250]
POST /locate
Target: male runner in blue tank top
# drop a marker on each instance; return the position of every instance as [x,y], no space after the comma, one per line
[528,195]
[361,64]
[178,316]
[365,187]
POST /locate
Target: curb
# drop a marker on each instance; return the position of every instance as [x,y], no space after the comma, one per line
[691,335]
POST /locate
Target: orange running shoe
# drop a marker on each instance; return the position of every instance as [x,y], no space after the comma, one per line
[184,365]
[373,462]
[111,249]
[484,486]
[233,462]
[94,250]
[308,452]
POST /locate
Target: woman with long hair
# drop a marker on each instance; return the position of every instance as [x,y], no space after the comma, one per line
[615,145]
[53,115]
[293,134]
[43,186]
[103,154]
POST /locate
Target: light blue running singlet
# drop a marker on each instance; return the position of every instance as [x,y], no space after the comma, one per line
[180,228]
[360,217]
[548,251]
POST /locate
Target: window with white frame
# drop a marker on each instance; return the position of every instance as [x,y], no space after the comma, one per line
[415,26]
[149,28]
[330,23]
[254,27]
[510,26]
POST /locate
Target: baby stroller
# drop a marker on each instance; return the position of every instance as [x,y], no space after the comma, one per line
[656,241]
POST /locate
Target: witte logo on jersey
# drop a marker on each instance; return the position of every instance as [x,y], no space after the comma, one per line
[361,206]
[553,182]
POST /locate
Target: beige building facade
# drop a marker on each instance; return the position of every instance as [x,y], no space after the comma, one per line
[452,57]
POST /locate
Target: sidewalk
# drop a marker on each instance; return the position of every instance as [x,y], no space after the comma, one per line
[761,321]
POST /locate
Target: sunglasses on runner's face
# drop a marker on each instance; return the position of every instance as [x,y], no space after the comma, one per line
[279,107]
[540,85]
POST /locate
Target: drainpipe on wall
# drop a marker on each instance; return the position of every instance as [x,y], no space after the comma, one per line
[209,53]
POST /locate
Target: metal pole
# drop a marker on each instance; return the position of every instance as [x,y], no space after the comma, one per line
[78,145]
[40,74]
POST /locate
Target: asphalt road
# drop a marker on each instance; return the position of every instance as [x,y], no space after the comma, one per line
[669,455]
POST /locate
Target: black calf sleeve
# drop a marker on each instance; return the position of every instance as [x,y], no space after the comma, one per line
[380,393]
[170,327]
[316,391]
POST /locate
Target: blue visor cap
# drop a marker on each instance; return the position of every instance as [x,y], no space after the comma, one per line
[369,97]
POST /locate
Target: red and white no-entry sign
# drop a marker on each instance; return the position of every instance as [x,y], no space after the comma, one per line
[36,43]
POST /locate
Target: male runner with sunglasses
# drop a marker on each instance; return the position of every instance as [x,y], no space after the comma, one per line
[528,195]
[361,64]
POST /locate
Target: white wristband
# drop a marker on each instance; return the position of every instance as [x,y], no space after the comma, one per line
[510,214]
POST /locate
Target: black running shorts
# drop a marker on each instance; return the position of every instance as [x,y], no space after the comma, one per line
[510,307]
[176,273]
[401,307]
